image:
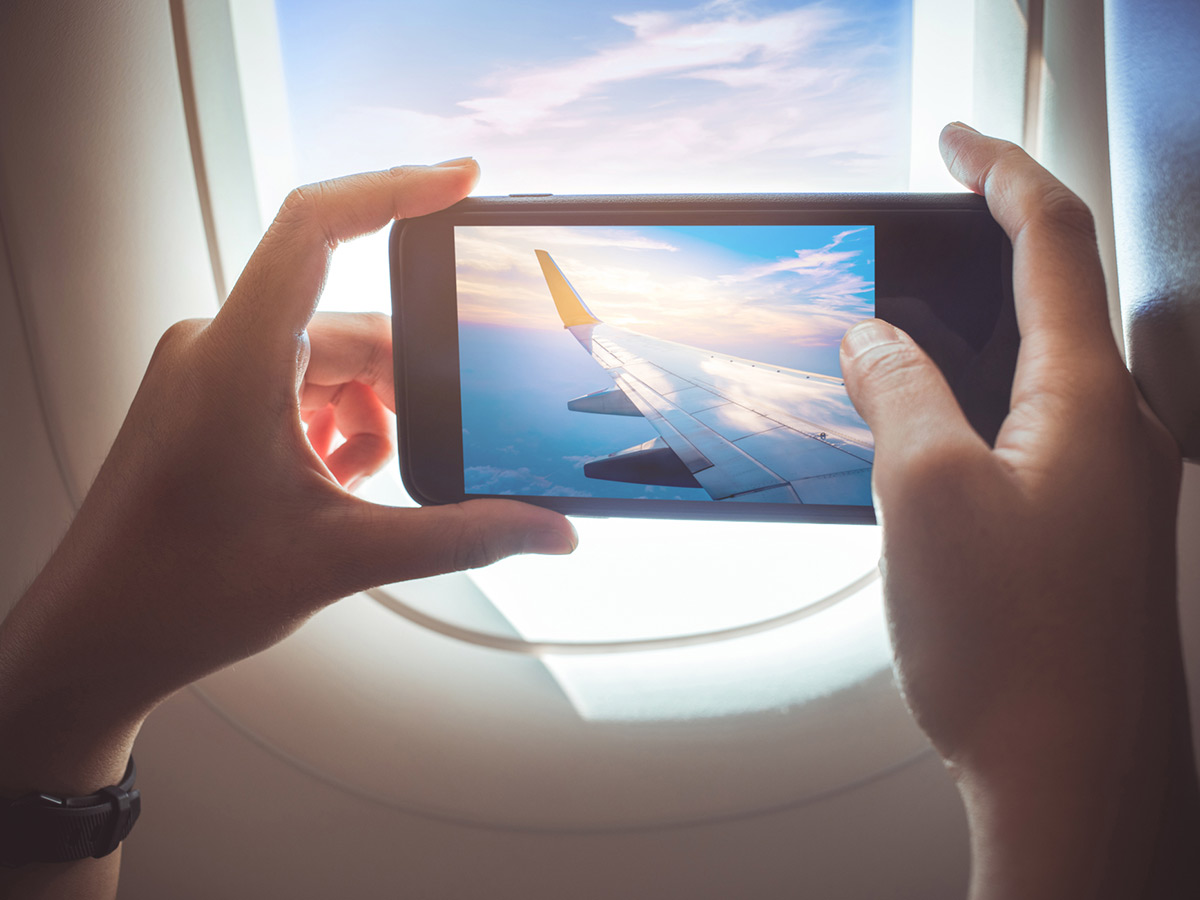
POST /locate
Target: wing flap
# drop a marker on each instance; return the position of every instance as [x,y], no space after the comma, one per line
[793,455]
[842,488]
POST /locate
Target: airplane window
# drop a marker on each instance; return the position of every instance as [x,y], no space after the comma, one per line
[621,97]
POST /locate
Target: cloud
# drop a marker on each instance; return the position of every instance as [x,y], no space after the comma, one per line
[578,462]
[716,97]
[825,275]
[501,282]
[521,482]
[488,253]
[697,43]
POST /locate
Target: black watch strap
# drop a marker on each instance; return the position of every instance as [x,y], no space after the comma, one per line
[46,828]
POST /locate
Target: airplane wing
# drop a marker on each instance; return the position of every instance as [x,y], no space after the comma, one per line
[740,429]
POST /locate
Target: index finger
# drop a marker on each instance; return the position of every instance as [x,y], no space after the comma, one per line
[1058,283]
[281,284]
[349,347]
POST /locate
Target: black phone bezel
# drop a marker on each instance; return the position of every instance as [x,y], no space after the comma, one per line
[425,319]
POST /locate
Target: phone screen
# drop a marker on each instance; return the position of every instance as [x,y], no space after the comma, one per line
[662,362]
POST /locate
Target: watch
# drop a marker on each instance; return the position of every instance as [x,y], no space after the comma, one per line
[46,828]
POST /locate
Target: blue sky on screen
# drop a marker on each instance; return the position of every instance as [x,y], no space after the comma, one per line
[784,295]
[646,95]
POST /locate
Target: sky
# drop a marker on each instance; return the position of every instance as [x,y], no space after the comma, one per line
[784,295]
[642,96]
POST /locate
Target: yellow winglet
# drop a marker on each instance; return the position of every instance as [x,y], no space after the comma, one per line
[571,309]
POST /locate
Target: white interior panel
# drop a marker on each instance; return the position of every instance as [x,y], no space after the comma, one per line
[1073,142]
[99,203]
[381,707]
[245,826]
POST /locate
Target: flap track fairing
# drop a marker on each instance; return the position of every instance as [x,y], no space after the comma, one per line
[650,463]
[612,402]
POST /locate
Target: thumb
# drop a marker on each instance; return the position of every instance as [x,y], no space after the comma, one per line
[385,544]
[901,394]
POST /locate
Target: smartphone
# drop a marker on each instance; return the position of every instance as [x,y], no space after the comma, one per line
[677,356]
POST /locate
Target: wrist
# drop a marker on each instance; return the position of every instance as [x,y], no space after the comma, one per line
[61,761]
[53,745]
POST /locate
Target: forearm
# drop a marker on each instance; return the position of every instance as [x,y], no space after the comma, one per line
[1175,867]
[44,752]
[86,879]
[1059,841]
[1092,847]
[68,721]
[1096,818]
[64,733]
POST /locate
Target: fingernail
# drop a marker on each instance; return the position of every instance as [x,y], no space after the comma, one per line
[552,543]
[957,124]
[865,335]
[455,163]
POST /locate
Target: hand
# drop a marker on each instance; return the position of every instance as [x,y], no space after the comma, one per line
[1030,587]
[216,527]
